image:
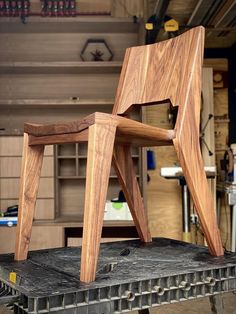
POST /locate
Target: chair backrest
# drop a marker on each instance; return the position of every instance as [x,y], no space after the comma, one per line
[162,72]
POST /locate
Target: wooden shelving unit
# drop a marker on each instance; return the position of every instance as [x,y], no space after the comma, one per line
[70,167]
[44,80]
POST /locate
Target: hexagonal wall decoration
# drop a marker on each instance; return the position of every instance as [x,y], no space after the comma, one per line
[96,50]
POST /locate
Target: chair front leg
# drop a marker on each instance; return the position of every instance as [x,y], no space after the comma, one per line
[29,183]
[100,148]
[123,164]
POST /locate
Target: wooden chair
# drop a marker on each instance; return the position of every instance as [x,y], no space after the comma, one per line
[169,71]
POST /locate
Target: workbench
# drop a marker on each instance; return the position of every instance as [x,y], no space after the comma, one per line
[131,276]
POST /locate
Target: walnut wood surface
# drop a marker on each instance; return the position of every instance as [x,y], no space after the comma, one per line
[169,71]
[128,131]
[123,164]
[157,73]
[188,150]
[59,139]
[100,148]
[30,175]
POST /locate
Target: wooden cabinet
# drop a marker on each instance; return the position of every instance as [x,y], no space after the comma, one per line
[10,167]
[43,237]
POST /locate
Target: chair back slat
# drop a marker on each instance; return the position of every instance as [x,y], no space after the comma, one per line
[160,72]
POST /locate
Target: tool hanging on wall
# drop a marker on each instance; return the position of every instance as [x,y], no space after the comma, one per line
[58,8]
[14,8]
[171,26]
[202,135]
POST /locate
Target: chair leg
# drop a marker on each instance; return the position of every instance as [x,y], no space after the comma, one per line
[30,175]
[188,151]
[100,148]
[123,164]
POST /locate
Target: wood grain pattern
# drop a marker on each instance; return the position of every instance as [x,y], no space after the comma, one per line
[123,164]
[59,139]
[100,147]
[156,73]
[128,130]
[188,150]
[169,71]
[30,175]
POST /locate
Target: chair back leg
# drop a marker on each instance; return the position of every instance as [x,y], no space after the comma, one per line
[100,148]
[30,174]
[123,164]
[188,150]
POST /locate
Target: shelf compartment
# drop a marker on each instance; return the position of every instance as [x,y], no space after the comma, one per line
[82,150]
[67,167]
[82,167]
[71,197]
[66,150]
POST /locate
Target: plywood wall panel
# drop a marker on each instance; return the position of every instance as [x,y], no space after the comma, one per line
[208,109]
[10,188]
[71,197]
[72,192]
[86,86]
[43,237]
[164,198]
[44,207]
[13,145]
[11,167]
[127,8]
[59,47]
[36,115]
[163,195]
[10,145]
[221,102]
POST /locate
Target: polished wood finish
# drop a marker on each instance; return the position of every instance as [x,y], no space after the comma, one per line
[188,150]
[100,147]
[123,164]
[169,71]
[59,139]
[30,175]
[128,131]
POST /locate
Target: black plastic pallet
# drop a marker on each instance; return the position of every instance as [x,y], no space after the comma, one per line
[130,276]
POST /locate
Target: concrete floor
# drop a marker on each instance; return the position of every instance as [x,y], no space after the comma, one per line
[188,307]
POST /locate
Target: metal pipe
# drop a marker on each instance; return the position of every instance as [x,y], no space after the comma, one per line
[186,211]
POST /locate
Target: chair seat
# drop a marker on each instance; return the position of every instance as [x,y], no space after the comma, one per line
[138,133]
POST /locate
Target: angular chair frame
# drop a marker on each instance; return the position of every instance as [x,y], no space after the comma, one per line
[169,71]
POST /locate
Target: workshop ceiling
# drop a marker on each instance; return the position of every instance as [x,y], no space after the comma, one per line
[218,17]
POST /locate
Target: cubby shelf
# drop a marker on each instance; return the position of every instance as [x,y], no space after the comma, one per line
[70,162]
